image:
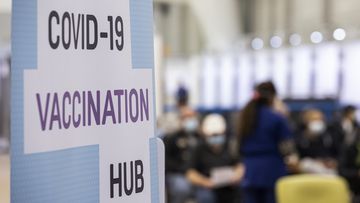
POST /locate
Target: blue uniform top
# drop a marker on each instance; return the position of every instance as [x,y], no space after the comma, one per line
[260,150]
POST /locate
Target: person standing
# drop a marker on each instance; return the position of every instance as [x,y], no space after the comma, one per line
[265,139]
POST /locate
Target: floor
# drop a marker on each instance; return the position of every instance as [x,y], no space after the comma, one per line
[4,178]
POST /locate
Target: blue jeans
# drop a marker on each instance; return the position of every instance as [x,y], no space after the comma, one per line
[178,187]
[204,195]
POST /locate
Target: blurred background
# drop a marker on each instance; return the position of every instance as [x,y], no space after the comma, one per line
[209,56]
[219,50]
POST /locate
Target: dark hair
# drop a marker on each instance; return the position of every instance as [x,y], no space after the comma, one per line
[348,110]
[263,96]
[182,96]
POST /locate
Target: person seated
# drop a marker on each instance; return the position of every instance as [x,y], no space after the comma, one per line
[179,147]
[315,146]
[349,167]
[344,130]
[213,169]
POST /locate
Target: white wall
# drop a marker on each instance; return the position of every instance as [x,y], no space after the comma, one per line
[308,15]
[5,21]
[346,13]
[5,6]
[5,29]
[219,22]
[305,16]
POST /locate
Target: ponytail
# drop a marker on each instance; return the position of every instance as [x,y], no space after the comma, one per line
[263,96]
[248,119]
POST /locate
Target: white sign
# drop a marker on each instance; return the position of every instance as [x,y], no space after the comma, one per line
[85,92]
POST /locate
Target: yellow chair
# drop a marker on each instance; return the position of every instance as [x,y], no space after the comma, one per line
[312,189]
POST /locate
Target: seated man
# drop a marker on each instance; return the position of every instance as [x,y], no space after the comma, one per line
[179,147]
[344,129]
[213,169]
[315,146]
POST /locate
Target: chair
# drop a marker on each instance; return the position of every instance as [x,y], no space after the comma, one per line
[312,189]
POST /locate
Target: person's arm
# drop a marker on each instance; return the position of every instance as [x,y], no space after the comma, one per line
[198,179]
[293,163]
[193,173]
[287,147]
[284,137]
[239,172]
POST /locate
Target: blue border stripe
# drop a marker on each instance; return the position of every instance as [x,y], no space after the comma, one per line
[24,33]
[154,171]
[63,176]
[142,44]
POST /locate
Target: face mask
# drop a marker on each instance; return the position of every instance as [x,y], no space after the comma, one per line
[216,140]
[191,124]
[348,126]
[316,127]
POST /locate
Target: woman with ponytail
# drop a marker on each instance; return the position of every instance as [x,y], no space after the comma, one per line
[263,133]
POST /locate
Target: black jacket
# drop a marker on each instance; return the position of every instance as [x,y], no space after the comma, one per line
[178,151]
[349,166]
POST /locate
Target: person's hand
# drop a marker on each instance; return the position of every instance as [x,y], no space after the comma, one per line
[238,175]
[292,162]
[207,183]
[330,163]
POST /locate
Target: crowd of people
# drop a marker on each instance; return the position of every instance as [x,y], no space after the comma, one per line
[207,164]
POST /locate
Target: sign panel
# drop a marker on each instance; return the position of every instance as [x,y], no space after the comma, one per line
[350,73]
[281,72]
[301,72]
[327,67]
[228,82]
[245,79]
[210,82]
[83,102]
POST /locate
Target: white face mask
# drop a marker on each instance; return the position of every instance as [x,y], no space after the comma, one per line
[216,140]
[191,124]
[316,127]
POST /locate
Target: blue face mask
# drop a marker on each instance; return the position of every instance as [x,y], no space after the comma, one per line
[191,124]
[216,140]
